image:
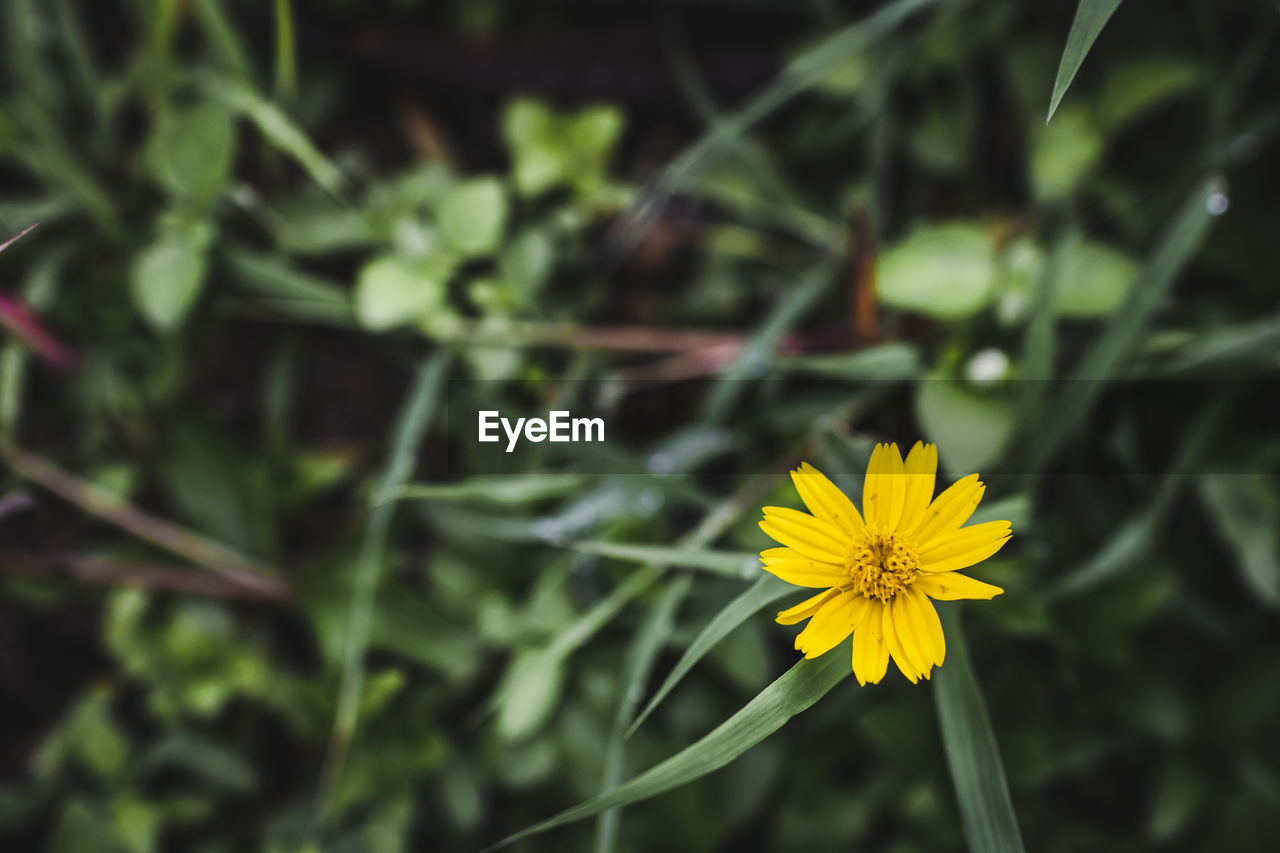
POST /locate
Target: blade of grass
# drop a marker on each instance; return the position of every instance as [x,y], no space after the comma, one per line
[16,237]
[200,550]
[297,293]
[986,809]
[1091,17]
[799,77]
[1133,538]
[793,692]
[648,642]
[421,405]
[1104,360]
[735,564]
[760,349]
[278,129]
[223,37]
[745,605]
[496,490]
[286,82]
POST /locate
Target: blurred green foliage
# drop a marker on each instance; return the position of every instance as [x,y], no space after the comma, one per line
[257,218]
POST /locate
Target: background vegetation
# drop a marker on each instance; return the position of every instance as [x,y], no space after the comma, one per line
[260,591]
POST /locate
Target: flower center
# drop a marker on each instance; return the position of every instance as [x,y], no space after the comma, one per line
[880,563]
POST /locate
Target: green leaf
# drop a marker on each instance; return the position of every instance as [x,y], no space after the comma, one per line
[745,605]
[1245,508]
[973,755]
[1138,86]
[971,429]
[473,215]
[497,490]
[190,150]
[649,640]
[1064,153]
[293,292]
[1093,281]
[1091,17]
[795,691]
[895,360]
[415,417]
[166,277]
[530,691]
[393,290]
[279,129]
[526,262]
[739,564]
[943,271]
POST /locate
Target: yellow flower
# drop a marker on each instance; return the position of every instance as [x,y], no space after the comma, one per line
[880,569]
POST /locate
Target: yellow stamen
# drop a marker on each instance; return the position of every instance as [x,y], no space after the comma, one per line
[881,563]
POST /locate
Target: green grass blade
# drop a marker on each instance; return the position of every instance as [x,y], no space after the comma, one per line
[223,38]
[1104,360]
[280,130]
[795,691]
[421,405]
[290,291]
[649,640]
[1133,539]
[749,602]
[986,808]
[286,83]
[1091,17]
[496,490]
[734,564]
[885,362]
[798,78]
[760,350]
[574,635]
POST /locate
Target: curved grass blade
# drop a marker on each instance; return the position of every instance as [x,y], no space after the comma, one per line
[749,602]
[280,130]
[1105,359]
[795,691]
[799,77]
[734,564]
[1133,539]
[648,642]
[495,490]
[986,808]
[1091,17]
[422,403]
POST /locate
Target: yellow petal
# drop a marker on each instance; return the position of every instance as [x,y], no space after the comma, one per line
[916,645]
[950,586]
[830,625]
[814,538]
[806,608]
[795,568]
[891,640]
[959,544]
[949,510]
[870,654]
[825,500]
[882,490]
[926,614]
[921,469]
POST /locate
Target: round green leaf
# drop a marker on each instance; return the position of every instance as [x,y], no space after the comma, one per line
[945,271]
[190,150]
[165,280]
[1094,281]
[393,291]
[1063,153]
[472,216]
[971,429]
